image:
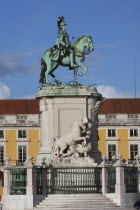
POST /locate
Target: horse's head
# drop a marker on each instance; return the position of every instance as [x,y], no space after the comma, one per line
[88,42]
[75,126]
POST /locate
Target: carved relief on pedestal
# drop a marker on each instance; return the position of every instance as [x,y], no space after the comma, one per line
[74,143]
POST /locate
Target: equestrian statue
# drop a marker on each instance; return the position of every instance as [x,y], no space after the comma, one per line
[66,54]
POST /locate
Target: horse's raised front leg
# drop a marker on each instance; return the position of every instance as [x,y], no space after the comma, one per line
[82,65]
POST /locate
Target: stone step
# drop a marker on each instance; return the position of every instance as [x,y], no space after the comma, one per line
[75,199]
[91,208]
[77,202]
[45,202]
[77,195]
[75,205]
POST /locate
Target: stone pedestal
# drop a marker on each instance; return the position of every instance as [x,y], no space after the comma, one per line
[59,107]
[74,162]
[104,165]
[120,189]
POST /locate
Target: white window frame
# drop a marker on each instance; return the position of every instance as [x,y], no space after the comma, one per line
[3,133]
[110,116]
[133,116]
[133,136]
[109,137]
[24,138]
[114,143]
[133,142]
[22,144]
[21,117]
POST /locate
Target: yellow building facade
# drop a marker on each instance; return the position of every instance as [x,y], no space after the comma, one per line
[19,132]
[119,128]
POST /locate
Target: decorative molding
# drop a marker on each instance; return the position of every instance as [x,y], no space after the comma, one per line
[112,139]
[3,140]
[134,139]
[23,140]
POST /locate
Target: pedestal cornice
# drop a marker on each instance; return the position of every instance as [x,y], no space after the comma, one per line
[58,91]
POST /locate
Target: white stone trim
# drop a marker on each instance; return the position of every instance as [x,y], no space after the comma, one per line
[21,129]
[23,140]
[22,144]
[2,139]
[133,142]
[112,139]
[133,137]
[117,126]
[112,128]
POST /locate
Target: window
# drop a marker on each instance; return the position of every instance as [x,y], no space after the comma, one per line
[133,116]
[21,117]
[2,117]
[133,151]
[22,153]
[133,132]
[1,153]
[110,116]
[22,134]
[1,134]
[111,132]
[111,151]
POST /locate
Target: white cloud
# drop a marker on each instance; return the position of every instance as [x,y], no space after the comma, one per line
[4,91]
[110,92]
[17,64]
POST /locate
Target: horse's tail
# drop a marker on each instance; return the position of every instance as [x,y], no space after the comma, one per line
[43,70]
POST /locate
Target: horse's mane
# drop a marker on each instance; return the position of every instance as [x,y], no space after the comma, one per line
[78,40]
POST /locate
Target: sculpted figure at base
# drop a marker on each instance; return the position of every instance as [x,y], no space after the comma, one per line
[78,150]
[65,54]
[83,149]
[75,142]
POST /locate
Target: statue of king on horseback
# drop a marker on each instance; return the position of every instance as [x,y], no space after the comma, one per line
[65,54]
[63,46]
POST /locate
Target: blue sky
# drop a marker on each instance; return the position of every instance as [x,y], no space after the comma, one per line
[29,27]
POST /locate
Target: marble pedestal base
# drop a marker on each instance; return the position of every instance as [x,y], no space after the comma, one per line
[74,162]
[59,107]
